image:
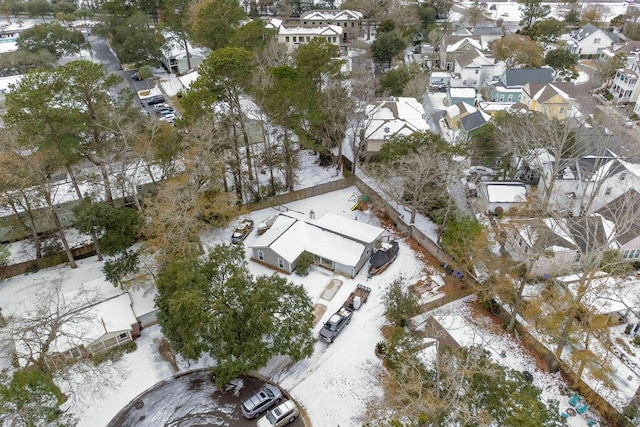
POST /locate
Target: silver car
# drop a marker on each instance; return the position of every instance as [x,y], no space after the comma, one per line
[281,415]
[264,399]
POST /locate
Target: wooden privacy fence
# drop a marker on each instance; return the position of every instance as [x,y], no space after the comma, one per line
[303,193]
[34,265]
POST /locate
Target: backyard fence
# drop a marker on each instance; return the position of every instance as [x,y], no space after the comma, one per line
[303,193]
[34,265]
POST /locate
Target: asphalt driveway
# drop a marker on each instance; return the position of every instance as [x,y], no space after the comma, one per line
[191,399]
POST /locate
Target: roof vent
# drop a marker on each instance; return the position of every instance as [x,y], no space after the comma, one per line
[387,129]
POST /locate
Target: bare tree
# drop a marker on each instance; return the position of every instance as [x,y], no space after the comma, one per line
[550,150]
[597,236]
[416,180]
[186,202]
[363,89]
[54,325]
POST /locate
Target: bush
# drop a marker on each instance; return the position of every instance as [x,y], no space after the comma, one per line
[305,260]
[52,247]
[636,341]
[115,353]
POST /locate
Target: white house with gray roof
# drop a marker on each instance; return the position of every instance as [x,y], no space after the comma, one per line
[486,34]
[451,47]
[294,34]
[385,119]
[474,68]
[590,41]
[337,243]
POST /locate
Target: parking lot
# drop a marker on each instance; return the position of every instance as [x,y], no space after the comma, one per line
[160,109]
[191,399]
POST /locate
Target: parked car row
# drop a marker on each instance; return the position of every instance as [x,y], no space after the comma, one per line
[162,109]
[155,105]
[260,403]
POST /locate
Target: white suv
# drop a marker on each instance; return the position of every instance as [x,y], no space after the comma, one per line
[281,415]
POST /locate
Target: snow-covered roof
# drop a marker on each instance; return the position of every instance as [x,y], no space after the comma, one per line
[506,192]
[462,92]
[143,300]
[460,108]
[474,58]
[544,92]
[113,315]
[400,116]
[321,30]
[440,74]
[187,79]
[478,44]
[607,295]
[494,106]
[174,49]
[273,23]
[6,82]
[360,231]
[332,236]
[584,32]
[332,14]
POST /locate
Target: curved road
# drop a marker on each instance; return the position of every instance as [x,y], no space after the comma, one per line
[191,399]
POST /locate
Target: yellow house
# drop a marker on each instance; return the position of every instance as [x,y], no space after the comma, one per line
[555,100]
[457,112]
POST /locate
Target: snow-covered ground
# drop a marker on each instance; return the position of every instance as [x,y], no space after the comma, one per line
[470,329]
[336,376]
[341,371]
[509,11]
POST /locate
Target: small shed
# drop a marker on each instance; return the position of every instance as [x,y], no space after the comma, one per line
[461,94]
[500,197]
[440,78]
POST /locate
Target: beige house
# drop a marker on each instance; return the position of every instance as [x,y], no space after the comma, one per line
[349,20]
[294,36]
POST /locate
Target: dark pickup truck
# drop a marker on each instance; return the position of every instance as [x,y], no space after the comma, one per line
[342,317]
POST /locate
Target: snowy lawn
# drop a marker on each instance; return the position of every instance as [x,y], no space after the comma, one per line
[341,370]
[472,327]
[336,376]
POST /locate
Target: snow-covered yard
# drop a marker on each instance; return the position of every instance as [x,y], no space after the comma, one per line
[336,376]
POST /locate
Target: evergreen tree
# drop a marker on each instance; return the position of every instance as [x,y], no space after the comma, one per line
[214,306]
[30,398]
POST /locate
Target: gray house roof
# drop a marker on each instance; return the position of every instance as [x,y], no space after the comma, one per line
[587,30]
[522,76]
[487,31]
[626,202]
[331,236]
[473,121]
[584,32]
